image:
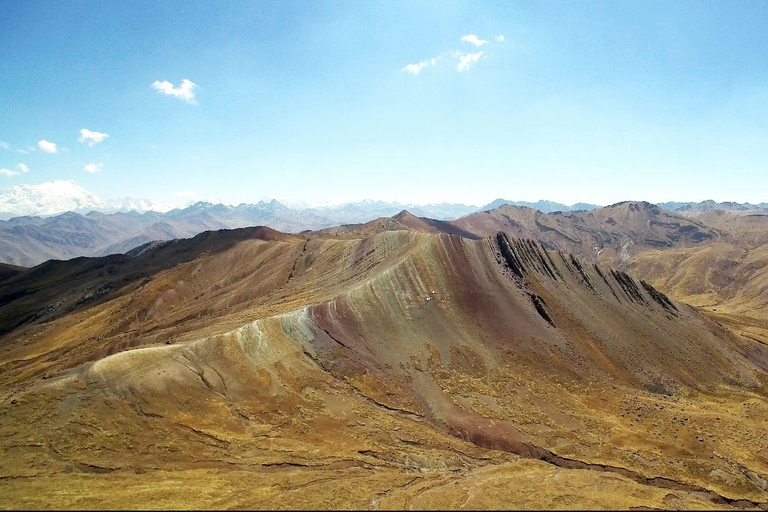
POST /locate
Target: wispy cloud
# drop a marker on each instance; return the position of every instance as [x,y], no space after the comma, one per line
[467,59]
[8,172]
[4,145]
[463,60]
[415,68]
[185,91]
[48,147]
[185,193]
[93,167]
[91,138]
[471,38]
[23,168]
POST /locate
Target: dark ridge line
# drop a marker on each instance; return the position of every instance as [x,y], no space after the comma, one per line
[334,339]
[600,273]
[405,412]
[545,227]
[521,249]
[522,252]
[296,262]
[204,434]
[539,303]
[584,276]
[93,468]
[509,255]
[658,296]
[629,286]
[552,262]
[754,339]
[565,261]
[518,253]
[537,252]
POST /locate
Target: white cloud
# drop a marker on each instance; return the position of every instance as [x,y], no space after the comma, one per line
[23,168]
[8,172]
[91,138]
[48,147]
[467,59]
[4,145]
[93,167]
[185,90]
[415,68]
[471,38]
[187,193]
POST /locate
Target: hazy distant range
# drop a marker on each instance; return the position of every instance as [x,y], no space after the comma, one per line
[30,240]
[95,228]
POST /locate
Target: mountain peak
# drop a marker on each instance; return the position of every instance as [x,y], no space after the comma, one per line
[403,215]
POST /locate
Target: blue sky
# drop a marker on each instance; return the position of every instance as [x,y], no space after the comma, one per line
[581,101]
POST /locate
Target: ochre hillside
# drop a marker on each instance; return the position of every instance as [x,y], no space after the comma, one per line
[375,369]
[611,235]
[727,278]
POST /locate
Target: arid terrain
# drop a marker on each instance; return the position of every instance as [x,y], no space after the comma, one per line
[616,358]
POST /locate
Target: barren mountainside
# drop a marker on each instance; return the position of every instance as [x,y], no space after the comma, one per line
[398,364]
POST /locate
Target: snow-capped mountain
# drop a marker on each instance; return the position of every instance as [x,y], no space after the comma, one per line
[133,204]
[55,197]
[46,199]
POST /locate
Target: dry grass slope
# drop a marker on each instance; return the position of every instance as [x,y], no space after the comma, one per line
[381,369]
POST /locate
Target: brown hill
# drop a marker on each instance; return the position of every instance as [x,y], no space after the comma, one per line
[56,288]
[713,259]
[728,277]
[7,271]
[403,221]
[397,369]
[611,235]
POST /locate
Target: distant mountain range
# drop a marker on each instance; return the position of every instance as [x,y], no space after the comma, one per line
[541,205]
[61,220]
[710,205]
[56,197]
